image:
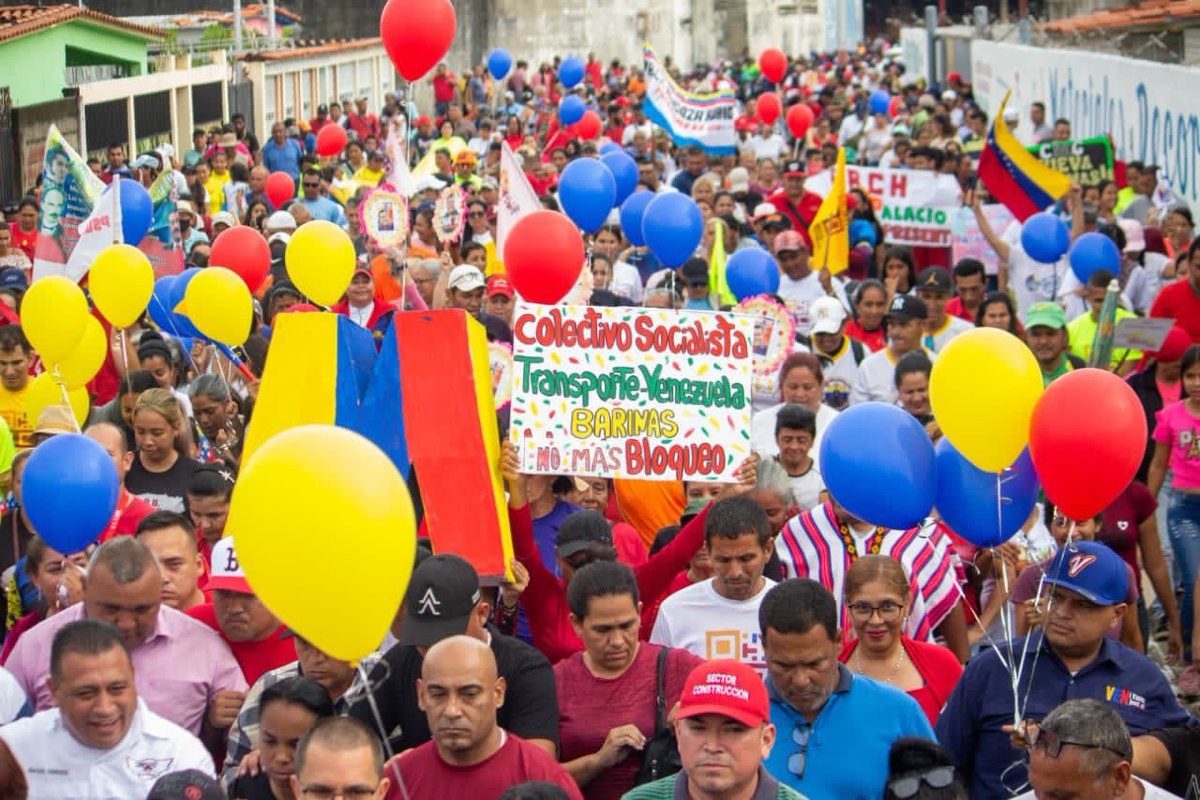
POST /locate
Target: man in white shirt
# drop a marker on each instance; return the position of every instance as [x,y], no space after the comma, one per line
[99,740]
[876,378]
[933,287]
[1082,749]
[839,354]
[799,283]
[718,618]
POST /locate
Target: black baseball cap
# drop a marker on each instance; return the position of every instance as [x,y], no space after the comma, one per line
[905,307]
[794,168]
[442,593]
[580,530]
[934,278]
[187,784]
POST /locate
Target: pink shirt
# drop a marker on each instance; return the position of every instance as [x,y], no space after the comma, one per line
[178,670]
[1177,427]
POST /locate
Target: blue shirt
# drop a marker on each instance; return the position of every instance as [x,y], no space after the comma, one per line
[970,724]
[282,157]
[846,757]
[326,209]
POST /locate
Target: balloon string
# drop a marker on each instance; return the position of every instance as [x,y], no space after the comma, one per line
[121,335]
[66,396]
[1049,606]
[387,745]
[1007,612]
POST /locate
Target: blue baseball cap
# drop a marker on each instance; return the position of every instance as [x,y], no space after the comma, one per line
[1093,570]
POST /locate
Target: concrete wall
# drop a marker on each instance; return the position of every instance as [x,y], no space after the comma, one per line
[34,66]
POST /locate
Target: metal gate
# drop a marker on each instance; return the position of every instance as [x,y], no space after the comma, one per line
[10,181]
[241,100]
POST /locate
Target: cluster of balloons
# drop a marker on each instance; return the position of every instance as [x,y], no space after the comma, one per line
[284,546]
[1081,439]
[1045,239]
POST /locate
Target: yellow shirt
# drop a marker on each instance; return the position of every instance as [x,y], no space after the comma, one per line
[12,411]
[214,187]
[368,177]
[1082,332]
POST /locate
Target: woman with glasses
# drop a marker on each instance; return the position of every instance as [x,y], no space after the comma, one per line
[877,596]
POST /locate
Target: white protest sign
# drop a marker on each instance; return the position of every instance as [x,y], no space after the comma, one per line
[913,206]
[1141,333]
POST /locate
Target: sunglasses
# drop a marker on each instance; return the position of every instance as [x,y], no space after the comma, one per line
[798,760]
[476,215]
[910,785]
[308,185]
[697,284]
[1052,743]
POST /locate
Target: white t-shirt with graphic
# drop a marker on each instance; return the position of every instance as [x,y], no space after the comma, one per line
[1032,281]
[711,626]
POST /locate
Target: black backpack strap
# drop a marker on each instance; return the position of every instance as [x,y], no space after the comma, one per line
[660,702]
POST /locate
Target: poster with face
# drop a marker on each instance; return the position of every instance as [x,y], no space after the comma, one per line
[774,340]
[500,362]
[450,214]
[384,216]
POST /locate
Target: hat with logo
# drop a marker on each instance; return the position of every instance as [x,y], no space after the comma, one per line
[500,284]
[55,419]
[226,571]
[794,168]
[905,307]
[1046,315]
[729,688]
[466,278]
[936,279]
[789,240]
[580,530]
[12,278]
[441,595]
[827,315]
[187,784]
[1093,570]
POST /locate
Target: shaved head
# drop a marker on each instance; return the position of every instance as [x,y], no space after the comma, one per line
[459,691]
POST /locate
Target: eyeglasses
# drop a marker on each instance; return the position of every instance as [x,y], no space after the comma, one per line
[476,214]
[909,785]
[308,185]
[888,611]
[1052,743]
[798,760]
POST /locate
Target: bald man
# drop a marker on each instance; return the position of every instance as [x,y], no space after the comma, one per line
[470,754]
[131,509]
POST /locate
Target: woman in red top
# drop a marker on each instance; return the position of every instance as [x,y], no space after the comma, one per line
[877,593]
[870,303]
[545,599]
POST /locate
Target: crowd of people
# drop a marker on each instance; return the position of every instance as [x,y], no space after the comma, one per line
[706,641]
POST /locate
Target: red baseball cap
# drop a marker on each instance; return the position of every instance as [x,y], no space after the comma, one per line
[423,120]
[729,688]
[500,284]
[226,573]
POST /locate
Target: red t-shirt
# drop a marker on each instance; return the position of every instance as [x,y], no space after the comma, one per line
[254,658]
[875,340]
[445,87]
[801,214]
[1122,521]
[1180,302]
[589,707]
[428,777]
[25,242]
[955,309]
[631,549]
[130,511]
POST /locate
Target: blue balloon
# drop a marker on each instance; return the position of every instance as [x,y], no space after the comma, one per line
[624,170]
[571,109]
[631,216]
[570,71]
[69,490]
[751,271]
[1045,238]
[611,147]
[499,63]
[160,304]
[587,191]
[880,101]
[862,231]
[878,463]
[966,496]
[672,226]
[1094,251]
[137,211]
[183,325]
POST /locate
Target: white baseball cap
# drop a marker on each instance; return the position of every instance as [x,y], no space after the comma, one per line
[466,278]
[281,221]
[827,315]
[226,572]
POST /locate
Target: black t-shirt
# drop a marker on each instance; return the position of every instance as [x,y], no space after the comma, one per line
[530,707]
[164,491]
[1183,744]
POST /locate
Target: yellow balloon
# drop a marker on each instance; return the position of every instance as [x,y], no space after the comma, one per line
[121,281]
[354,531]
[219,305]
[320,261]
[88,356]
[44,391]
[53,315]
[983,389]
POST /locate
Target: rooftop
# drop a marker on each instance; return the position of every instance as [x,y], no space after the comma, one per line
[17,21]
[203,19]
[1150,13]
[304,49]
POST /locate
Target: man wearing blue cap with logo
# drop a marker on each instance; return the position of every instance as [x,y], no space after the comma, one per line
[1084,595]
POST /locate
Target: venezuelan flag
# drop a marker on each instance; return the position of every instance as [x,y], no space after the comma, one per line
[1016,177]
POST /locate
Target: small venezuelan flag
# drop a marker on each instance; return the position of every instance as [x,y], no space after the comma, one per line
[1016,177]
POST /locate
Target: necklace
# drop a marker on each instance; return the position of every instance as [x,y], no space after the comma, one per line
[858,667]
[874,543]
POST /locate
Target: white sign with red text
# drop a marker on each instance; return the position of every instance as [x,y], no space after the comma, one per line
[915,207]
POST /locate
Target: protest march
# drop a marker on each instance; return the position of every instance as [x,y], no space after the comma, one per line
[786,427]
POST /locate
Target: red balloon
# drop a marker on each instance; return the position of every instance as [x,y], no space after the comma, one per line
[243,250]
[280,188]
[799,119]
[894,106]
[589,127]
[769,107]
[773,64]
[417,34]
[543,256]
[1087,438]
[330,139]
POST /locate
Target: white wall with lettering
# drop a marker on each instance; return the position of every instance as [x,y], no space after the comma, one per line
[1151,110]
